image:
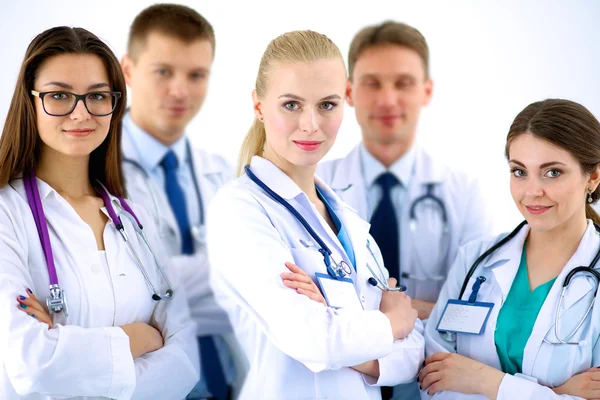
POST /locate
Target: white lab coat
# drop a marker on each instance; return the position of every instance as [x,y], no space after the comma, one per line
[212,172]
[468,218]
[544,365]
[86,354]
[297,348]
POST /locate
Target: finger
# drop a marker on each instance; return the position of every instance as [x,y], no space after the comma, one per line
[296,277]
[392,282]
[430,379]
[301,285]
[31,303]
[313,296]
[440,356]
[294,268]
[428,369]
[38,315]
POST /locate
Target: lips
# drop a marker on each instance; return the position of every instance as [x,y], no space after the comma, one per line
[308,145]
[78,132]
[536,210]
[387,119]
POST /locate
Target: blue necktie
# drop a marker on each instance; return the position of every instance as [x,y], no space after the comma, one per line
[384,225]
[177,201]
[212,370]
[384,229]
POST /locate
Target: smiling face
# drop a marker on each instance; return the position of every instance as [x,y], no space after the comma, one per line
[547,183]
[302,111]
[79,133]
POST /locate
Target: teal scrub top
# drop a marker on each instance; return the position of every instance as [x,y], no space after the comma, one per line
[517,317]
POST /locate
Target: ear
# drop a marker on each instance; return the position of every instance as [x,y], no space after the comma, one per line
[127,67]
[428,91]
[349,98]
[257,106]
[594,179]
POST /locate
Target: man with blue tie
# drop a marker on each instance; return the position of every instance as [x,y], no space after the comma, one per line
[420,210]
[168,62]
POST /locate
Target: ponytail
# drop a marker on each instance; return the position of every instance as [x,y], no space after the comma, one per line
[253,145]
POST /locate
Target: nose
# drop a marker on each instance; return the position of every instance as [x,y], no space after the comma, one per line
[387,97]
[178,87]
[309,121]
[535,188]
[80,113]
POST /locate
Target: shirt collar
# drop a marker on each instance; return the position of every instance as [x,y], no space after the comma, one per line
[402,169]
[149,150]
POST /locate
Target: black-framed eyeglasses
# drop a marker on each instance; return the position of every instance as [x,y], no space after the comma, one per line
[61,103]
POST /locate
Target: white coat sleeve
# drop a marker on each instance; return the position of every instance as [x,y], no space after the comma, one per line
[404,363]
[172,371]
[247,256]
[66,360]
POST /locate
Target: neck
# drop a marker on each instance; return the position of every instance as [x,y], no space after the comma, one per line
[563,238]
[167,139]
[387,153]
[303,176]
[67,175]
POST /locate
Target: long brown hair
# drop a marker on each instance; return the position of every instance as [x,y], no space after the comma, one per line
[568,125]
[20,142]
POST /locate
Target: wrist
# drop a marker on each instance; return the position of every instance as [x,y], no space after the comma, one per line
[490,382]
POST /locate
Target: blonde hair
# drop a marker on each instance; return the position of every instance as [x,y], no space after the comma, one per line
[291,47]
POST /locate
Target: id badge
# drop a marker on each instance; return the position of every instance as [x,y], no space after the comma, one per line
[460,316]
[339,293]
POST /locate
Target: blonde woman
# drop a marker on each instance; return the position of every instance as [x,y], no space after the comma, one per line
[355,332]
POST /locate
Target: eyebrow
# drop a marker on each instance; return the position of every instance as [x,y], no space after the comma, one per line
[395,76]
[544,165]
[166,65]
[67,86]
[294,97]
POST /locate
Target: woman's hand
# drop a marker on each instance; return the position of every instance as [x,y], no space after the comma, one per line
[397,307]
[302,283]
[451,371]
[31,306]
[143,338]
[586,385]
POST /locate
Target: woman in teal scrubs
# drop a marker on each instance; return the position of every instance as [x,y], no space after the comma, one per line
[553,152]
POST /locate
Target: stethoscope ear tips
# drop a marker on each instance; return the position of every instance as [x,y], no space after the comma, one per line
[372,281]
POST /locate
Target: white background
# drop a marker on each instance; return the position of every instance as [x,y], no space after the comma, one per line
[489,59]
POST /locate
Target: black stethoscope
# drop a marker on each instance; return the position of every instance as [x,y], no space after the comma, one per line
[197,230]
[334,269]
[589,270]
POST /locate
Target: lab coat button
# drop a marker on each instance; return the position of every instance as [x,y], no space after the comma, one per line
[362,298]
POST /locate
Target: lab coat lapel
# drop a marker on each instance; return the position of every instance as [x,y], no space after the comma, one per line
[576,291]
[348,183]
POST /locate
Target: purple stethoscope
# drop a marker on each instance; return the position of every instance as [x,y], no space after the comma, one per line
[57,301]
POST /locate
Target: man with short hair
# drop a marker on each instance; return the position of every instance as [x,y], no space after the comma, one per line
[421,211]
[167,66]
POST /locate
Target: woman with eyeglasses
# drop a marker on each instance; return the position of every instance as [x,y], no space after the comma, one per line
[87,310]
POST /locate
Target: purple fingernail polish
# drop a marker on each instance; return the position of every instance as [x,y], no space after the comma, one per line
[22,297]
[33,316]
[29,290]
